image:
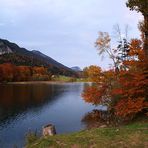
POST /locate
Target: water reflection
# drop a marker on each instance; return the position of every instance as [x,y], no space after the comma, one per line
[96,118]
[14,99]
[25,107]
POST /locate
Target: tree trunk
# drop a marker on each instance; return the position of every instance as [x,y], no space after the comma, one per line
[145,47]
[49,130]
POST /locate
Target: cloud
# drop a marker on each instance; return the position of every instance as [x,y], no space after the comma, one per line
[64,29]
[2,24]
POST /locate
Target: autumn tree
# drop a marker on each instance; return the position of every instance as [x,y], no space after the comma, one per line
[141,6]
[99,92]
[131,94]
[93,73]
[125,95]
[7,72]
[10,72]
[39,70]
[40,73]
[85,72]
[23,73]
[103,44]
[118,54]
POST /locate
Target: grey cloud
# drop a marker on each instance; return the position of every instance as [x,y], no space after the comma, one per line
[63,29]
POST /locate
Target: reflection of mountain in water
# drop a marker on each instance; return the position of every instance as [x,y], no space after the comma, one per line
[16,99]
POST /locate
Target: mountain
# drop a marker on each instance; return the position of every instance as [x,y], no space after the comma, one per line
[76,68]
[12,53]
[49,59]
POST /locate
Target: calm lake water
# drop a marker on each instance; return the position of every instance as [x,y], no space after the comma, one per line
[25,107]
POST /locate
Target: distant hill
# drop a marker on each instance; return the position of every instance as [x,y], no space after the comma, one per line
[76,68]
[12,53]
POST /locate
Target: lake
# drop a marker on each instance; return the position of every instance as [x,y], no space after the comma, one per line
[30,106]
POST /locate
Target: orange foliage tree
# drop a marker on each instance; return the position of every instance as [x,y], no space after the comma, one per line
[10,72]
[40,73]
[132,83]
[7,72]
[125,92]
[99,92]
[141,6]
[93,73]
[23,73]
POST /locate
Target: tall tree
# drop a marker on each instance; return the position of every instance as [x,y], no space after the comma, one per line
[141,6]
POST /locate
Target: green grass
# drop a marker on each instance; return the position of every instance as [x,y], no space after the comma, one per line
[62,78]
[130,136]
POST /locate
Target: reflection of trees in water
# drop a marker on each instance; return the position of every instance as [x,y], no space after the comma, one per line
[15,99]
[97,118]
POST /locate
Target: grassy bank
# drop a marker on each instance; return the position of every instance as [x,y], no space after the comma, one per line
[129,136]
[61,78]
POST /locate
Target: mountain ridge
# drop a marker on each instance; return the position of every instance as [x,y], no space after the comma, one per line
[76,68]
[12,53]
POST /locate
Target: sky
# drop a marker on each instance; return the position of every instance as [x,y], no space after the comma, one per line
[65,30]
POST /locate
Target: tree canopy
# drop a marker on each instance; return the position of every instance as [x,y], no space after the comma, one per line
[138,5]
[141,6]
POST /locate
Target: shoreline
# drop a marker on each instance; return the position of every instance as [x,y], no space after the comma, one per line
[122,136]
[41,82]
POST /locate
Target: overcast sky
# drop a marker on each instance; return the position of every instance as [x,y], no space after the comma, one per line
[64,29]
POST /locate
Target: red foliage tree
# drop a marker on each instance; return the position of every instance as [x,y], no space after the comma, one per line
[7,72]
[125,92]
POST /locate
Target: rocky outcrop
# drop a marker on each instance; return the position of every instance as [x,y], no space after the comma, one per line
[4,48]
